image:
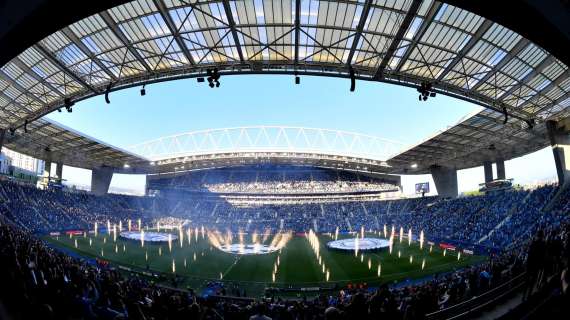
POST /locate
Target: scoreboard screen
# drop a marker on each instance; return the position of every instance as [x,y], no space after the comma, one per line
[422,187]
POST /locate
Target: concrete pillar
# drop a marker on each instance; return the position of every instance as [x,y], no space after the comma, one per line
[2,134]
[101,179]
[560,142]
[47,169]
[59,171]
[501,169]
[488,167]
[445,181]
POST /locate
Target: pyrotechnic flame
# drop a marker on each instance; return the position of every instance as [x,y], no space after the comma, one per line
[173,266]
[328,275]
[142,238]
[362,232]
[421,240]
[95,228]
[401,234]
[265,235]
[399,254]
[356,247]
[379,269]
[458,255]
[410,236]
[385,232]
[336,234]
[423,263]
[129,224]
[76,243]
[160,251]
[90,242]
[444,252]
[369,264]
[140,225]
[169,242]
[411,259]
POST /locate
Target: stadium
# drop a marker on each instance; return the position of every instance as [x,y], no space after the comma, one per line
[288,221]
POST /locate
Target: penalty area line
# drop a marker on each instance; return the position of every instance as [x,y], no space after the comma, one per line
[231,267]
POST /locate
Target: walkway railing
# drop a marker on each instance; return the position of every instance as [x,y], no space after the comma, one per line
[478,303]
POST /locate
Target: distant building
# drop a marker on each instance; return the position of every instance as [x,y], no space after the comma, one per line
[20,165]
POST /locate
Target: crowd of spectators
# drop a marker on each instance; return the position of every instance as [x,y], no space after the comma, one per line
[273,180]
[492,220]
[38,281]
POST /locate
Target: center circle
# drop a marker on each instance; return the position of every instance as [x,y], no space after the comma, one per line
[364,244]
[149,236]
[247,249]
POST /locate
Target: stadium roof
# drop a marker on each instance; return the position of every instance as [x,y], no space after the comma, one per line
[476,138]
[402,42]
[47,139]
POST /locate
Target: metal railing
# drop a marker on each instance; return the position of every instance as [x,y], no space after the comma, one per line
[478,303]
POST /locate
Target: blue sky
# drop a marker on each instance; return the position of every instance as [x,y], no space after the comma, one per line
[377,109]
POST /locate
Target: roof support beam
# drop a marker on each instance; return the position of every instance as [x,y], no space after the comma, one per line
[297,30]
[535,71]
[483,28]
[20,64]
[523,43]
[161,6]
[562,77]
[410,15]
[123,38]
[63,67]
[554,103]
[493,133]
[23,90]
[359,28]
[232,25]
[73,37]
[428,19]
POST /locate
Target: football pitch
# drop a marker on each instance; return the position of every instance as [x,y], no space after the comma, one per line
[196,261]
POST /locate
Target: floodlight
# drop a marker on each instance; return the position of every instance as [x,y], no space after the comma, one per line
[107,91]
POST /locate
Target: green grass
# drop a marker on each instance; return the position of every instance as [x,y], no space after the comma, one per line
[298,263]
